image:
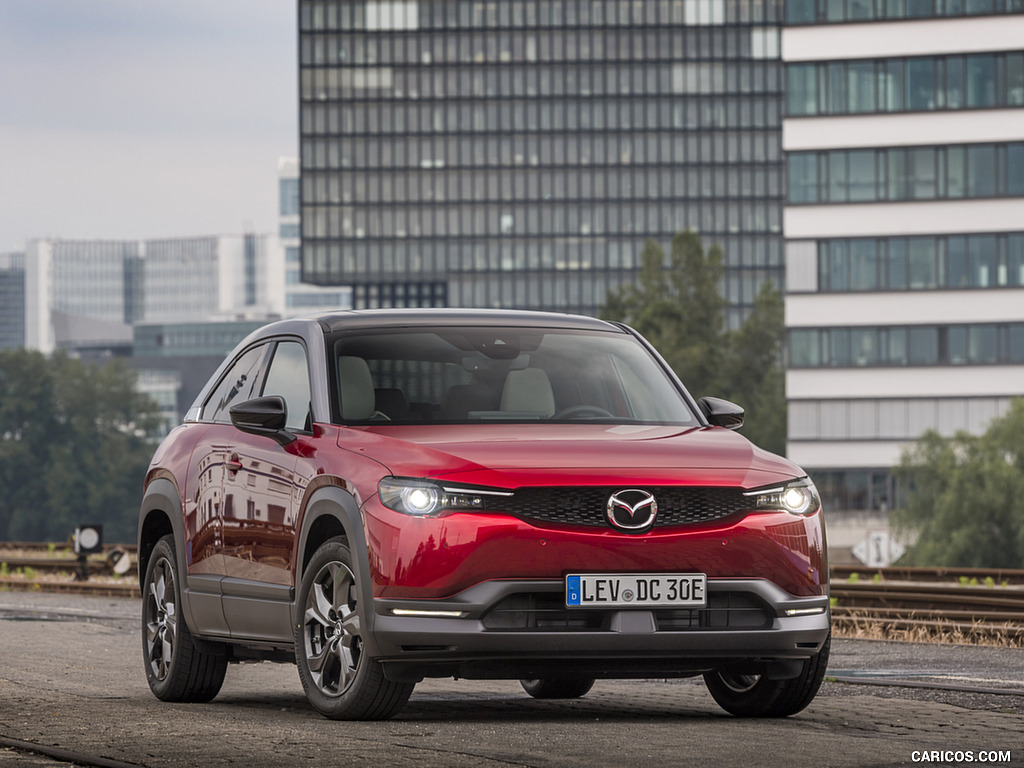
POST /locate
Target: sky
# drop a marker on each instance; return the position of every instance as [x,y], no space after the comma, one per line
[132,119]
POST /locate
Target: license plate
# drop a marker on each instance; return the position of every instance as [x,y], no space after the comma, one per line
[636,590]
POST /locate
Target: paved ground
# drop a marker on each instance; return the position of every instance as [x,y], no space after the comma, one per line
[71,678]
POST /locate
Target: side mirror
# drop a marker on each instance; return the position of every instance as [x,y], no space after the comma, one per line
[721,413]
[265,416]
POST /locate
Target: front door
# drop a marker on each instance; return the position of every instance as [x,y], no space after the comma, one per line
[261,491]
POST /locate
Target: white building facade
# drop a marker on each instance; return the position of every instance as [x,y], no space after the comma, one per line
[904,227]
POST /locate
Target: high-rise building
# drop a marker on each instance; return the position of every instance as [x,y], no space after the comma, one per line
[520,152]
[300,298]
[904,223]
[12,300]
[89,293]
[80,293]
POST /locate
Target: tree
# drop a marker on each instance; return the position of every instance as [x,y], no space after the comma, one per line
[965,497]
[677,304]
[755,376]
[73,446]
[678,307]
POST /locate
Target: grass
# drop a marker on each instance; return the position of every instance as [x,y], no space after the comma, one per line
[865,628]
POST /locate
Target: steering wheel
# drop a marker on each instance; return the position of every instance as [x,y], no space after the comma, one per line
[583,410]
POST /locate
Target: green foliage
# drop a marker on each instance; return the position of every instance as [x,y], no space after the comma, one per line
[677,304]
[754,373]
[73,446]
[965,501]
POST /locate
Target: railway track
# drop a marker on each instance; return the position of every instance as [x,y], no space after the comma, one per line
[48,567]
[972,603]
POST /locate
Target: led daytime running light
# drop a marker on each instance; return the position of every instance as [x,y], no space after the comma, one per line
[422,497]
[799,497]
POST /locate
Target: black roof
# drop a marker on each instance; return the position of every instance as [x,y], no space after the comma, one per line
[398,318]
[368,319]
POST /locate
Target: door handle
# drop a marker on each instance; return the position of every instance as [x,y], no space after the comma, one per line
[233,464]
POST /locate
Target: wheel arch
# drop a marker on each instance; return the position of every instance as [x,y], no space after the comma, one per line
[332,511]
[160,514]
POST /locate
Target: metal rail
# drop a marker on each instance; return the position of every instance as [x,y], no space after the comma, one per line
[895,573]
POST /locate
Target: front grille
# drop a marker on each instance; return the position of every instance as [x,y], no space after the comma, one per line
[586,506]
[547,612]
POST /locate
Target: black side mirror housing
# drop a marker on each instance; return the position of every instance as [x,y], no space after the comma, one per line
[721,413]
[267,416]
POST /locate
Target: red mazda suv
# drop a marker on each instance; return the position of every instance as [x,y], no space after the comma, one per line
[390,495]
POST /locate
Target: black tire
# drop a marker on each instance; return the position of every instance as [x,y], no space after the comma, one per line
[559,687]
[340,681]
[176,669]
[757,696]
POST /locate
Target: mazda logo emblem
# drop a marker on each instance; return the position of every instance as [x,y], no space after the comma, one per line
[632,509]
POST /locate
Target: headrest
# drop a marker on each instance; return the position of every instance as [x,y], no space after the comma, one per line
[356,387]
[528,389]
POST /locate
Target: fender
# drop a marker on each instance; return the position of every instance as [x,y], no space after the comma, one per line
[337,503]
[200,595]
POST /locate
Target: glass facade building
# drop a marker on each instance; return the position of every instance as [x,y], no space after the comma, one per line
[519,153]
[300,298]
[90,292]
[12,300]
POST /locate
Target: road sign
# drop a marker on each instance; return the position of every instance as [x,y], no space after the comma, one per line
[879,549]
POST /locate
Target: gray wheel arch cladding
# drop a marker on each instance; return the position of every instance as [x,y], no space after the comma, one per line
[335,502]
[161,499]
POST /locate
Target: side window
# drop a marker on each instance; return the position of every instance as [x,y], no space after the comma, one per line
[289,377]
[235,387]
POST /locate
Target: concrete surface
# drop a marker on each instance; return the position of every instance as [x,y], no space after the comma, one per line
[71,677]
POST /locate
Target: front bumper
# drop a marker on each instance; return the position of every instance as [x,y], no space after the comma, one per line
[522,629]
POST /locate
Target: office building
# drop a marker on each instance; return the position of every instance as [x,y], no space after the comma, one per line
[904,225]
[300,298]
[12,300]
[83,294]
[519,153]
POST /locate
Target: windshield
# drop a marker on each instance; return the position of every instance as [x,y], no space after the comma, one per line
[455,375]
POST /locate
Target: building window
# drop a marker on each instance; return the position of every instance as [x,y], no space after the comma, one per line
[289,197]
[919,84]
[890,419]
[944,262]
[906,346]
[906,173]
[799,12]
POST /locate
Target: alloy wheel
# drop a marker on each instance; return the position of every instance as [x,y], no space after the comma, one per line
[161,620]
[331,629]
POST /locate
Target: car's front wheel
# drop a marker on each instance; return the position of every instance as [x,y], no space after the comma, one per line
[758,696]
[558,687]
[340,680]
[176,668]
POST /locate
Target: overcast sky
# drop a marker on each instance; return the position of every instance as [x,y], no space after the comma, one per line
[143,119]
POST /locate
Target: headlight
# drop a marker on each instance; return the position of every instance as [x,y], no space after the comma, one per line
[798,497]
[423,497]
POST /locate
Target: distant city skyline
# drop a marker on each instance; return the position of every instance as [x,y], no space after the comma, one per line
[137,120]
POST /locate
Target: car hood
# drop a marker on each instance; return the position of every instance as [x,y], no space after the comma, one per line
[519,454]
